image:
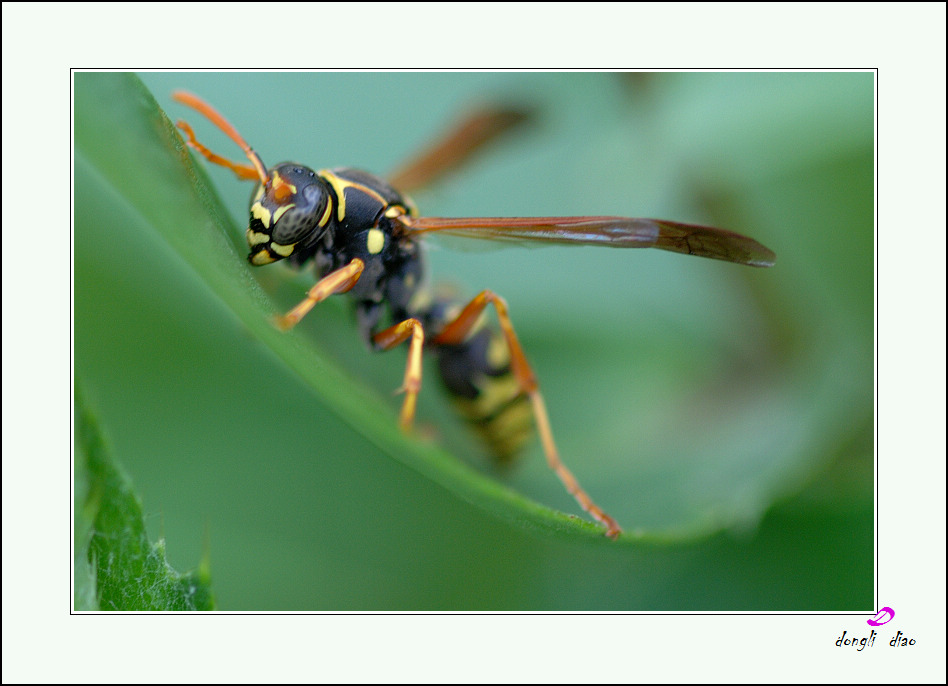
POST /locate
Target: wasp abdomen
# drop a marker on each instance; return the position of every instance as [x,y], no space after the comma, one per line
[485,392]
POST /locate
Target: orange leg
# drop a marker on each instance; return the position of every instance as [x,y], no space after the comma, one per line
[338,281]
[388,339]
[455,333]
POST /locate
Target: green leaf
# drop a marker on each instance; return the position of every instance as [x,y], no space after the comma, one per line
[125,571]
[689,396]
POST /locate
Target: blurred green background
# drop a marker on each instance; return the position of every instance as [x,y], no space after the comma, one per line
[723,414]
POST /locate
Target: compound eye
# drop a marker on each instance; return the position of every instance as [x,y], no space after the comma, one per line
[301,214]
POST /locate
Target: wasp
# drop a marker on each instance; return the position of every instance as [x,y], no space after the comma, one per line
[364,238]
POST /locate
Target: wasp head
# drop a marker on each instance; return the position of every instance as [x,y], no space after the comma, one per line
[289,212]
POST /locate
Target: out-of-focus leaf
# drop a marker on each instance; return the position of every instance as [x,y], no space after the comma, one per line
[128,571]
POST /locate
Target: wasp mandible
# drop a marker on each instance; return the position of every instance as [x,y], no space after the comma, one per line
[364,238]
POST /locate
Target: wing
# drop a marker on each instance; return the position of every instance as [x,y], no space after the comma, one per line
[457,146]
[613,232]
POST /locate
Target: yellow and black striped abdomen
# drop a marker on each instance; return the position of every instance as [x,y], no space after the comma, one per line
[484,391]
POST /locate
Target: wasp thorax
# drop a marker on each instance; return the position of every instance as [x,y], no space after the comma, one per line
[291,210]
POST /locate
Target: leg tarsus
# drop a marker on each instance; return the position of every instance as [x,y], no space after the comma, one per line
[411,384]
[564,474]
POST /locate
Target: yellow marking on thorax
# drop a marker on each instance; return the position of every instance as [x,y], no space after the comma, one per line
[375,241]
[340,185]
[420,300]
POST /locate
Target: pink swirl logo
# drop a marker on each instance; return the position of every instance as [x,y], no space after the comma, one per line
[883,616]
